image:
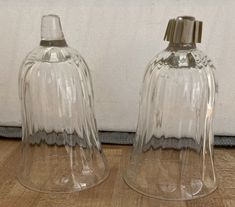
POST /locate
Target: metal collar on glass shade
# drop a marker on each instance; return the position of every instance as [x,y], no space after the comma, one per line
[184,29]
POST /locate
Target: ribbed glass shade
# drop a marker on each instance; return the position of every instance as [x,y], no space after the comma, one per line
[172,157]
[61,151]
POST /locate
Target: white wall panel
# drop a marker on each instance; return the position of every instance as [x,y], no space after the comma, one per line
[117,39]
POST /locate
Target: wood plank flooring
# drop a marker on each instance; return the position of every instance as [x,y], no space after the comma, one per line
[113,192]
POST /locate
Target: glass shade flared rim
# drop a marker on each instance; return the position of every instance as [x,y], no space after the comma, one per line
[73,190]
[140,191]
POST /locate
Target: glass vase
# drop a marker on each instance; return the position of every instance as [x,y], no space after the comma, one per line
[61,151]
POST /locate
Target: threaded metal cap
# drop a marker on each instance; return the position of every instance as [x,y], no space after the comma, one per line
[184,29]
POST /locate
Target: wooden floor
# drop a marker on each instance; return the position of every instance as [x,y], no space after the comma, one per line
[113,192]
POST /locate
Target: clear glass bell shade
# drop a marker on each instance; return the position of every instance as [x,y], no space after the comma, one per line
[61,151]
[172,157]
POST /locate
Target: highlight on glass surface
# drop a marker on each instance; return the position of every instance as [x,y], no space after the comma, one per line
[61,151]
[172,157]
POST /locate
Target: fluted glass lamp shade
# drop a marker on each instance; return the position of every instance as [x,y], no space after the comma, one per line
[61,151]
[172,157]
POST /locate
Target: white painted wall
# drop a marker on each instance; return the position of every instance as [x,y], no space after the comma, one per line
[117,39]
